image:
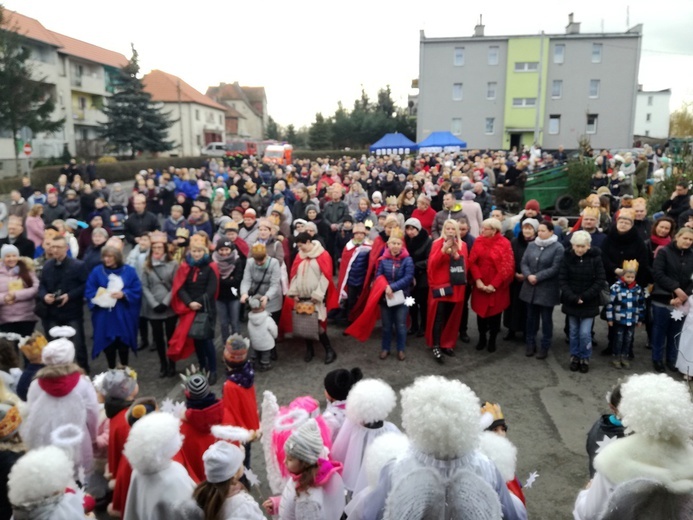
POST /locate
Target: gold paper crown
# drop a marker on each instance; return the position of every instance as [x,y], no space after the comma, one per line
[158,237]
[639,202]
[258,250]
[182,232]
[494,409]
[589,211]
[198,241]
[278,208]
[34,346]
[397,233]
[391,200]
[10,423]
[627,213]
[630,265]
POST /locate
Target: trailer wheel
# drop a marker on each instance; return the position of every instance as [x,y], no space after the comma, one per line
[564,205]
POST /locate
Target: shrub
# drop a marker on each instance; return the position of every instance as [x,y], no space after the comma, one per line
[580,172]
[107,159]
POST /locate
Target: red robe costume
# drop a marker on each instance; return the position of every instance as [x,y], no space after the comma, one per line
[240,406]
[242,246]
[331,299]
[493,263]
[376,252]
[363,325]
[118,465]
[180,346]
[438,272]
[348,253]
[515,488]
[425,217]
[197,437]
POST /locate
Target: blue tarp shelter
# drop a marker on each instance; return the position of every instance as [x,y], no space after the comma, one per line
[441,142]
[393,144]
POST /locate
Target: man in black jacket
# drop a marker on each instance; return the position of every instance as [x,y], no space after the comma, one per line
[53,210]
[141,221]
[62,291]
[679,202]
[16,237]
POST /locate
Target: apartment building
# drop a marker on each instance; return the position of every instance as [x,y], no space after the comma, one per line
[79,75]
[652,113]
[504,91]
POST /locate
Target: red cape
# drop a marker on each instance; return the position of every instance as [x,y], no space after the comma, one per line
[180,346]
[331,300]
[439,276]
[198,437]
[362,326]
[375,254]
[242,246]
[240,406]
[515,488]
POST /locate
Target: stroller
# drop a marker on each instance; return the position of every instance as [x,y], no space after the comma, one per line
[118,215]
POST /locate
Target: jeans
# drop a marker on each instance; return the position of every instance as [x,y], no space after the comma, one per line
[580,330]
[394,317]
[534,314]
[229,313]
[81,357]
[665,329]
[206,354]
[622,339]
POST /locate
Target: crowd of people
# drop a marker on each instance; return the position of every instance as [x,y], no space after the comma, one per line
[188,256]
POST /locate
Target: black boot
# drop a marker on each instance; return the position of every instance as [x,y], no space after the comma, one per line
[163,369]
[482,341]
[273,354]
[330,354]
[309,351]
[171,372]
[492,342]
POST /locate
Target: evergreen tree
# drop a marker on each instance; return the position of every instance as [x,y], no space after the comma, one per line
[290,136]
[320,133]
[272,131]
[25,100]
[134,123]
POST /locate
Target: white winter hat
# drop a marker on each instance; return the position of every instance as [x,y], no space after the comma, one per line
[305,443]
[41,473]
[152,442]
[60,351]
[369,401]
[222,461]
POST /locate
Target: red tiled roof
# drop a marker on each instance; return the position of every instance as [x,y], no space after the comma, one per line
[30,28]
[87,51]
[163,87]
[232,112]
[232,92]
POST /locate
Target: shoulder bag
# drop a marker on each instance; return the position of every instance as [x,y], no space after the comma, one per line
[202,326]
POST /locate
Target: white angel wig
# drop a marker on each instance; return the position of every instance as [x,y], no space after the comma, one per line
[646,499]
[656,406]
[38,475]
[441,417]
[369,401]
[153,441]
[382,450]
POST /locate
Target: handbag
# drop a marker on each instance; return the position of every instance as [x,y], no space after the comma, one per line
[458,276]
[202,327]
[305,323]
[397,299]
[605,295]
[442,292]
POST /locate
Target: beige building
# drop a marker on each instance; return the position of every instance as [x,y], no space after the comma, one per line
[246,115]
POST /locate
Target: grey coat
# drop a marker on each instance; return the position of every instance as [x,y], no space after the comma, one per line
[254,284]
[544,263]
[156,289]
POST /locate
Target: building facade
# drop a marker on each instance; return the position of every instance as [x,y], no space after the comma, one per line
[652,113]
[246,116]
[503,91]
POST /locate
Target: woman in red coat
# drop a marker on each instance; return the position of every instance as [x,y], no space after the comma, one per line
[446,301]
[492,268]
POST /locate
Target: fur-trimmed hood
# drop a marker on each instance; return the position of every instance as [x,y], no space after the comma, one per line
[502,453]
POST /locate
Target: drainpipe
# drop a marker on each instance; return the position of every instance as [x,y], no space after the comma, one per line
[537,119]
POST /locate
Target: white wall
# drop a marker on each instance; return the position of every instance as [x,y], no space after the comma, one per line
[656,106]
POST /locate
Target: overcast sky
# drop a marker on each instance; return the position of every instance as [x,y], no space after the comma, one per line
[309,55]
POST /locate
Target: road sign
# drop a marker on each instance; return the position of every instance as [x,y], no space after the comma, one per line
[27,149]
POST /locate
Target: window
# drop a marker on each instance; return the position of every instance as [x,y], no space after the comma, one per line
[221,119]
[591,124]
[82,102]
[524,102]
[458,58]
[490,125]
[456,126]
[649,101]
[596,53]
[199,140]
[457,91]
[80,71]
[557,89]
[559,53]
[526,66]
[648,118]
[594,88]
[84,134]
[493,51]
[491,90]
[554,124]
[647,133]
[197,115]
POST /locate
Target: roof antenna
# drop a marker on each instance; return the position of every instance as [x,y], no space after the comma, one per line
[627,17]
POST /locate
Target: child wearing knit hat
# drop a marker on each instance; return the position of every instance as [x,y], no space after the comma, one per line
[338,383]
[262,331]
[316,484]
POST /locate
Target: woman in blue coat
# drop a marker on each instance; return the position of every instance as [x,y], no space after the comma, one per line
[115,328]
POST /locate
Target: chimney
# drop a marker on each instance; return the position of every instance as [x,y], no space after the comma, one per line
[479,28]
[572,27]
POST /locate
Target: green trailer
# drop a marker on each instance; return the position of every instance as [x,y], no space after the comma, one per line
[550,189]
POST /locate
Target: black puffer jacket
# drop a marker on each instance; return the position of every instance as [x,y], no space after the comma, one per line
[581,278]
[618,247]
[603,427]
[419,249]
[673,269]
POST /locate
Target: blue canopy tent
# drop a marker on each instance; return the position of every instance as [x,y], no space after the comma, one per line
[393,144]
[441,142]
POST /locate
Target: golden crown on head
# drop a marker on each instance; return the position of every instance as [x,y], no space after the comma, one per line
[391,200]
[34,346]
[397,233]
[494,409]
[198,241]
[158,237]
[182,232]
[589,211]
[630,265]
[258,250]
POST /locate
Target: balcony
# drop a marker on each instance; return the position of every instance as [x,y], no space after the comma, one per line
[89,84]
[88,116]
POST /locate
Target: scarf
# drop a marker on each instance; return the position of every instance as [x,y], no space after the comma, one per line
[197,263]
[361,216]
[660,241]
[546,243]
[242,375]
[226,264]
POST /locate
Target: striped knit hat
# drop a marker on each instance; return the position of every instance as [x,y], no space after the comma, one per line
[195,384]
[305,443]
